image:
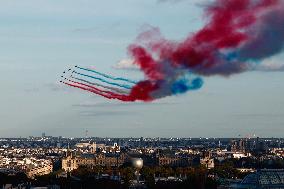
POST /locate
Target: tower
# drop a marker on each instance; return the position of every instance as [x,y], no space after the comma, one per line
[94,148]
[86,133]
[69,152]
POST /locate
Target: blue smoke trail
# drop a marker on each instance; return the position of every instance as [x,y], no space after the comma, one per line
[108,76]
[97,84]
[183,85]
[105,81]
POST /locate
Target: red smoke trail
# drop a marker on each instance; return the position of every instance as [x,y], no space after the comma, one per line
[86,89]
[100,85]
[138,92]
[98,92]
[104,92]
[92,87]
[141,91]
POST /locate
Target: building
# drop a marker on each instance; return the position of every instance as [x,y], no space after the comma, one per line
[238,145]
[174,160]
[207,162]
[70,162]
[263,179]
[43,169]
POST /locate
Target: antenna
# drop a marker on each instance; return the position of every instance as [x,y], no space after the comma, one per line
[86,133]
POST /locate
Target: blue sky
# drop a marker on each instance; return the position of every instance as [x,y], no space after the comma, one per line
[41,38]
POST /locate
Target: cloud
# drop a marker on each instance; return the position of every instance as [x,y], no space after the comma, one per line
[259,115]
[126,64]
[119,104]
[32,90]
[85,30]
[104,113]
[270,68]
[56,86]
[196,2]
[273,64]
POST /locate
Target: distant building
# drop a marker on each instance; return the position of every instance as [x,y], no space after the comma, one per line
[246,170]
[70,163]
[239,145]
[31,166]
[43,169]
[174,160]
[83,145]
[256,145]
[207,161]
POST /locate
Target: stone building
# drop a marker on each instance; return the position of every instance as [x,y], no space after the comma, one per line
[43,169]
[70,162]
[207,160]
[173,160]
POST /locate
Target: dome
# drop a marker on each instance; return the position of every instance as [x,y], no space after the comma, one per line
[137,163]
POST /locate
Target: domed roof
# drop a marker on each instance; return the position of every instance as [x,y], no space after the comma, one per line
[265,177]
[137,163]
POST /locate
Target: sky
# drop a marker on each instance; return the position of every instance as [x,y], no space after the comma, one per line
[39,39]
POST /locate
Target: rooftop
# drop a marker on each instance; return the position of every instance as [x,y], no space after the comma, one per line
[264,178]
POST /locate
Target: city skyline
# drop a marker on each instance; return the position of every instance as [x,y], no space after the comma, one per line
[42,38]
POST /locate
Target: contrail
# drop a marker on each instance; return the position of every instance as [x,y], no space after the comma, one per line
[104,93]
[107,76]
[99,85]
[105,81]
[87,89]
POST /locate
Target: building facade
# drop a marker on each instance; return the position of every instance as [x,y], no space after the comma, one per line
[40,170]
[70,163]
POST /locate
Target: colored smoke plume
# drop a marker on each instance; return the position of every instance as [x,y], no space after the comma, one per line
[237,37]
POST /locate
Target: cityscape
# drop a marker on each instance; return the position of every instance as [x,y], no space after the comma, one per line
[94,162]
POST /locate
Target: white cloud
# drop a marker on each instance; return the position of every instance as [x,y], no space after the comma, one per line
[126,64]
[272,64]
[270,68]
[86,30]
